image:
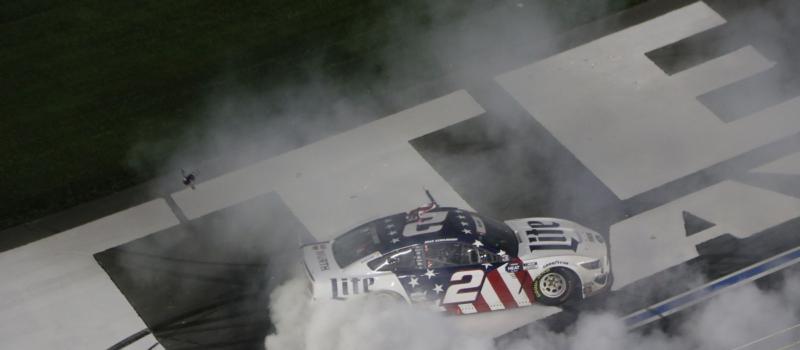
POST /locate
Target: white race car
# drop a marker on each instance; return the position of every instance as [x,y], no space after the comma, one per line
[461,262]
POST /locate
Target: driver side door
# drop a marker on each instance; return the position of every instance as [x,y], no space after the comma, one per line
[486,282]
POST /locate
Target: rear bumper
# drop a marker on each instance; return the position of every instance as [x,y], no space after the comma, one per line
[318,260]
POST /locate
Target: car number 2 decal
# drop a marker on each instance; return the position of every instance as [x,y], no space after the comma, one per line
[427,223]
[464,287]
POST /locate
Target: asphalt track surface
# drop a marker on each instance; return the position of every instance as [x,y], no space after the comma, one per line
[220,302]
[197,289]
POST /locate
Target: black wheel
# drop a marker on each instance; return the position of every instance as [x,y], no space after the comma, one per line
[609,281]
[555,286]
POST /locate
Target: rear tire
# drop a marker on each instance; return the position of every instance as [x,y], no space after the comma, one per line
[555,287]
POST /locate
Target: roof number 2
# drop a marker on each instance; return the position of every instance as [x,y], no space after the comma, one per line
[429,222]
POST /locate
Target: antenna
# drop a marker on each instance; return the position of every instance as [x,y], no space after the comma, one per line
[428,193]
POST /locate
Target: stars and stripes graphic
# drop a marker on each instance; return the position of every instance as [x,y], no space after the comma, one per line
[500,290]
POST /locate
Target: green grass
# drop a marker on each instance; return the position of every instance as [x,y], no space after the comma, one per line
[83,82]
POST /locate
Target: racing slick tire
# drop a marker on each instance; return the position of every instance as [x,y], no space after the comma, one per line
[555,287]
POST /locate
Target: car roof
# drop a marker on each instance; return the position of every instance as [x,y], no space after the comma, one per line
[458,225]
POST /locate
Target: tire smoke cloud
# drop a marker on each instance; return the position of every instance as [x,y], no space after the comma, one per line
[469,44]
[725,322]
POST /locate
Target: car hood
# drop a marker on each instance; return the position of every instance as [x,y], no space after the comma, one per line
[542,237]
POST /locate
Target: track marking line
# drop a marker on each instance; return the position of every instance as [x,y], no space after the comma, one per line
[692,297]
[790,345]
[767,337]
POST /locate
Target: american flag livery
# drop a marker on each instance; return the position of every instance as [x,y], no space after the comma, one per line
[499,291]
[490,287]
[460,261]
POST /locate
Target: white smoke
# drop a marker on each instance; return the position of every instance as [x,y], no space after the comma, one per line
[250,126]
[363,323]
[739,317]
[730,320]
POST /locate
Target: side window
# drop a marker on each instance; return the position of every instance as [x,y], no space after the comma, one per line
[485,256]
[477,255]
[400,259]
[470,255]
[445,254]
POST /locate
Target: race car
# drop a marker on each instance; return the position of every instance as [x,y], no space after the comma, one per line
[461,262]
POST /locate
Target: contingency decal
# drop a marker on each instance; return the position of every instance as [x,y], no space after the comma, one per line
[322,259]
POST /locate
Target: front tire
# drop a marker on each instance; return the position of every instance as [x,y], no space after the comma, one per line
[555,287]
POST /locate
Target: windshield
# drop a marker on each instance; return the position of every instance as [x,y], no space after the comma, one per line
[498,235]
[356,244]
